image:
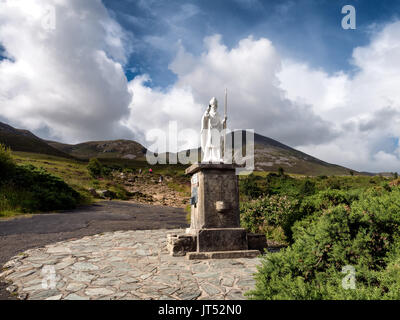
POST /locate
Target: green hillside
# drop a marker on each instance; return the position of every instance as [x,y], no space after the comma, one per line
[23,140]
[125,149]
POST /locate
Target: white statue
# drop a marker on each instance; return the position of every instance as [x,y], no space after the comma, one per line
[212,129]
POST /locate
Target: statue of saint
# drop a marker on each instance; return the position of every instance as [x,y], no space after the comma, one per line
[212,133]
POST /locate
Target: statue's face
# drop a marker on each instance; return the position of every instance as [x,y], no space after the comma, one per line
[214,104]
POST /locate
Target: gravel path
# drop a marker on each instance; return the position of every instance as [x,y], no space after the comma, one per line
[22,233]
[124,265]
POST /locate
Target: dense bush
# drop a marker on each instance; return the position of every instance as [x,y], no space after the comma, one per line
[29,189]
[282,184]
[249,187]
[98,170]
[307,188]
[6,163]
[363,233]
[95,168]
[273,215]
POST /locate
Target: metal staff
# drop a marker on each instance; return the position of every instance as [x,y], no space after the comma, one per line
[225,117]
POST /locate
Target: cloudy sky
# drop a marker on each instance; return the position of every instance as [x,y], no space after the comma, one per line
[78,70]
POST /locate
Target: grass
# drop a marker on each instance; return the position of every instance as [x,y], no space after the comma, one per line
[182,188]
[75,173]
[72,171]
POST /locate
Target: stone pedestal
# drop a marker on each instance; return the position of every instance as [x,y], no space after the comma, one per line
[215,230]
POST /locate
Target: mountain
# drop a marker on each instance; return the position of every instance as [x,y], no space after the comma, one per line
[24,140]
[269,154]
[125,149]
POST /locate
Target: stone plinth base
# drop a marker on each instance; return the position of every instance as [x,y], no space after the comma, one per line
[256,241]
[223,254]
[215,231]
[179,245]
[217,243]
[221,239]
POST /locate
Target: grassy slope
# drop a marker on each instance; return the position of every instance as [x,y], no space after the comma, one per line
[72,171]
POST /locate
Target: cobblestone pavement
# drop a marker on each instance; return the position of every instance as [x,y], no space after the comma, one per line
[124,265]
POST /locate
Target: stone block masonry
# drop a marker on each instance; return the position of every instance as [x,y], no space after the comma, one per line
[215,217]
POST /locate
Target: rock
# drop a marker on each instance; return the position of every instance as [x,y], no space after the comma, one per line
[228,281]
[178,245]
[235,295]
[93,192]
[131,287]
[6,272]
[12,288]
[57,297]
[107,194]
[98,292]
[42,295]
[81,277]
[59,249]
[84,266]
[73,287]
[210,290]
[73,296]
[189,294]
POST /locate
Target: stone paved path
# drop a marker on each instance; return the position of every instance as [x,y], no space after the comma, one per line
[27,232]
[124,265]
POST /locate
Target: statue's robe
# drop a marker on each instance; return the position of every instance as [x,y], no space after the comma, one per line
[211,135]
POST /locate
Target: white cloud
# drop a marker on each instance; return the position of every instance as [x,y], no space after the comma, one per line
[71,82]
[365,106]
[69,79]
[249,71]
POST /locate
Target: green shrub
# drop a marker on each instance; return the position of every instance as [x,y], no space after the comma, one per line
[364,234]
[327,199]
[29,189]
[273,215]
[95,168]
[308,188]
[120,192]
[282,185]
[249,186]
[7,164]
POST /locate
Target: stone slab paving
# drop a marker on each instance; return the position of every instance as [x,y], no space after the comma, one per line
[124,265]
